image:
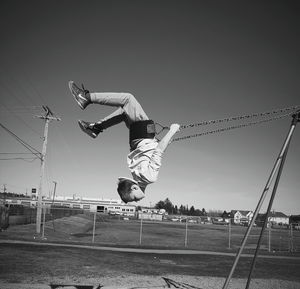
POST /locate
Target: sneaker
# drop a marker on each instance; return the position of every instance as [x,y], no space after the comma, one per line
[80,94]
[89,128]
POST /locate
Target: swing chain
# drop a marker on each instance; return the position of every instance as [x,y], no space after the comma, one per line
[236,118]
[231,127]
[296,117]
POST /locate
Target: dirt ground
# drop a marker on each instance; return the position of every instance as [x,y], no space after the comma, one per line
[139,281]
[35,266]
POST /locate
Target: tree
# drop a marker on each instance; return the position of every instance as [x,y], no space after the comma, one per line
[175,210]
[198,212]
[225,215]
[181,209]
[168,206]
[160,205]
[192,211]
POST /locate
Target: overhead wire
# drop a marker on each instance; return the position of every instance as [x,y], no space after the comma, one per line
[29,81]
[21,119]
[22,142]
[28,159]
[8,186]
[15,153]
[22,159]
[22,109]
[16,83]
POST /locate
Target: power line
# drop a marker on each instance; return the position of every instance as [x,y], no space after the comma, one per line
[15,153]
[24,107]
[22,159]
[22,120]
[16,82]
[26,145]
[21,109]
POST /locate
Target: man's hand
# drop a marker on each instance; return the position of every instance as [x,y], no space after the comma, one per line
[175,127]
[166,140]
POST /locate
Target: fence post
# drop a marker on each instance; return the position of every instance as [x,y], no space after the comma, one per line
[291,239]
[141,228]
[269,238]
[186,231]
[52,216]
[44,217]
[229,234]
[94,226]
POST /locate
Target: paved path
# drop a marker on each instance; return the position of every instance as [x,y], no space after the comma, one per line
[145,251]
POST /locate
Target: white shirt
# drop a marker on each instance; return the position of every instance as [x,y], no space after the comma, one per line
[144,162]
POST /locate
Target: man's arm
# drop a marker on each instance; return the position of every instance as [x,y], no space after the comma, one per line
[164,142]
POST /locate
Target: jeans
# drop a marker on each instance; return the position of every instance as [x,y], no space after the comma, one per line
[128,108]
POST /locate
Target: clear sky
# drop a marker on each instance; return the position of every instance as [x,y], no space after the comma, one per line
[185,61]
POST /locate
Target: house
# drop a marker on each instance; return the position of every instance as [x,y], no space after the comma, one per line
[241,217]
[278,218]
[275,218]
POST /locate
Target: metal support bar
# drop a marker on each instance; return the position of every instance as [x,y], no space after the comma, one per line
[267,216]
[296,118]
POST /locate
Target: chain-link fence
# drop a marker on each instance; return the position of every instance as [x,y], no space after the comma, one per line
[4,217]
[79,226]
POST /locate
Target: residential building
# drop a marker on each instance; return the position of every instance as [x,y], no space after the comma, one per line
[241,217]
[278,218]
[275,218]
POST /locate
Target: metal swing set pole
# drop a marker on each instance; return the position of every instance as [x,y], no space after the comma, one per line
[267,215]
[278,164]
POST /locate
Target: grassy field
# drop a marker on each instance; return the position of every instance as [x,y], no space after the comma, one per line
[40,264]
[117,232]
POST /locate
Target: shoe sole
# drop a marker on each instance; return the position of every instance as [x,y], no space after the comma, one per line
[85,130]
[71,84]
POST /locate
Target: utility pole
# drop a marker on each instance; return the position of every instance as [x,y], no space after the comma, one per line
[47,117]
[55,183]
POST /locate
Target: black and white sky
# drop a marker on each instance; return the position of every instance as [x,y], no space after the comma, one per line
[185,61]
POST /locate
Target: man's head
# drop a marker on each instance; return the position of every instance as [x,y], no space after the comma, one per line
[129,190]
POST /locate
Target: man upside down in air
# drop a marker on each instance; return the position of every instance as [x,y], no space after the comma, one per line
[144,159]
